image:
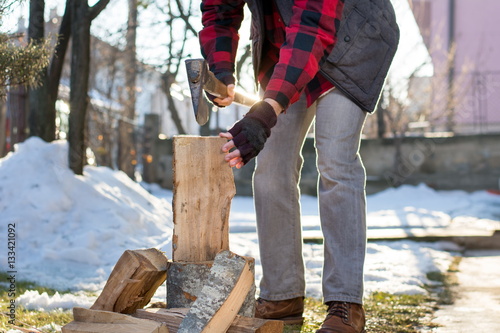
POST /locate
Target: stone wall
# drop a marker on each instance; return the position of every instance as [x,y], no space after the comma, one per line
[460,162]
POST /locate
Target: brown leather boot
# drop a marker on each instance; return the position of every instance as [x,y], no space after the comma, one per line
[344,317]
[290,310]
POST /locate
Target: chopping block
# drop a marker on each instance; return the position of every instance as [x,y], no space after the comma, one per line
[202,194]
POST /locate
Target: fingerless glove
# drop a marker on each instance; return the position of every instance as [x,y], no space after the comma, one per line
[251,132]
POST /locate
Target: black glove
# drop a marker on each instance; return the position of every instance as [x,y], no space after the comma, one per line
[251,132]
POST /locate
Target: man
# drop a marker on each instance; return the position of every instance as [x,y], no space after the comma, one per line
[314,59]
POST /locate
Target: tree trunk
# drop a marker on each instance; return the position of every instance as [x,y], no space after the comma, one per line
[81,16]
[17,104]
[57,62]
[41,119]
[3,129]
[80,65]
[126,145]
[168,79]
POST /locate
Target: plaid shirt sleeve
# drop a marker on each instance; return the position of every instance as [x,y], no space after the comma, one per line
[219,37]
[310,37]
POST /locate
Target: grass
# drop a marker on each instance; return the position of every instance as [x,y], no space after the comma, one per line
[29,319]
[385,313]
[444,291]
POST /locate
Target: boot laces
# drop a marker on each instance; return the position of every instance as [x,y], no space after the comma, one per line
[339,309]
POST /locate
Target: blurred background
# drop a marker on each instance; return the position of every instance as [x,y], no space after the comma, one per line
[109,77]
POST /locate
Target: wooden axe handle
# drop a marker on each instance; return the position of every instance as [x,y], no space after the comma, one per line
[215,87]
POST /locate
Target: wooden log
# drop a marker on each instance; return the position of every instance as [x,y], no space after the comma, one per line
[185,281]
[203,190]
[98,321]
[221,297]
[173,318]
[133,281]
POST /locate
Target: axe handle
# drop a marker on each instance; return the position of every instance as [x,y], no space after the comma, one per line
[215,87]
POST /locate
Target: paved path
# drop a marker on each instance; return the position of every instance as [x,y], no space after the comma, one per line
[477,307]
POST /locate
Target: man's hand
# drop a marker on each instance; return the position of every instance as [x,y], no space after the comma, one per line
[221,102]
[249,134]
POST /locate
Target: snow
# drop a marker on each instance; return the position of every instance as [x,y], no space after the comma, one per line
[71,230]
[32,299]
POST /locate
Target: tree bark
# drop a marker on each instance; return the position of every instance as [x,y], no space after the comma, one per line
[17,101]
[57,62]
[41,119]
[221,298]
[126,145]
[3,123]
[81,17]
[78,99]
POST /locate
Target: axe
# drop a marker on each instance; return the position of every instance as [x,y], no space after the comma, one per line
[201,78]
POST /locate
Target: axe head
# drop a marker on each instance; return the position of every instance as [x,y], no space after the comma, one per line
[197,72]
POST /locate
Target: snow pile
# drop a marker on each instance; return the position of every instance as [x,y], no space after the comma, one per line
[421,206]
[71,230]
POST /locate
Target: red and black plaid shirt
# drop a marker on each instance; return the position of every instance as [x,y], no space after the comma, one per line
[291,55]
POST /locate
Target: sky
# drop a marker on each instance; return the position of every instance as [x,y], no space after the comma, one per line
[411,52]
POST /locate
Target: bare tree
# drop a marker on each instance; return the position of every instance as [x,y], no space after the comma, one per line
[409,108]
[41,120]
[179,15]
[127,152]
[81,18]
[174,60]
[43,99]
[104,118]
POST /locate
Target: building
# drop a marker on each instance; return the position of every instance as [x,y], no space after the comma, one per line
[106,86]
[463,39]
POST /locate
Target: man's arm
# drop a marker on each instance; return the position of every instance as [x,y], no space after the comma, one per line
[219,37]
[310,37]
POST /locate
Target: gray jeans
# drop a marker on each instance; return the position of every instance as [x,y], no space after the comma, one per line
[341,196]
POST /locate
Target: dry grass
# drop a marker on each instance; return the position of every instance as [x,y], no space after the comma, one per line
[385,313]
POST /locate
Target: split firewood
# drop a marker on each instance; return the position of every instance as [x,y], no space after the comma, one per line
[133,281]
[222,295]
[97,321]
[203,190]
[173,318]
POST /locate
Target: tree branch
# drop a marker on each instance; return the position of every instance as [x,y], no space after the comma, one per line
[185,17]
[96,9]
[57,62]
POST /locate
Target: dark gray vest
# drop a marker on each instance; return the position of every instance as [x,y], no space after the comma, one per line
[367,40]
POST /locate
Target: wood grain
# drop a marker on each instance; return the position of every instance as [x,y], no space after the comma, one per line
[133,281]
[203,190]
